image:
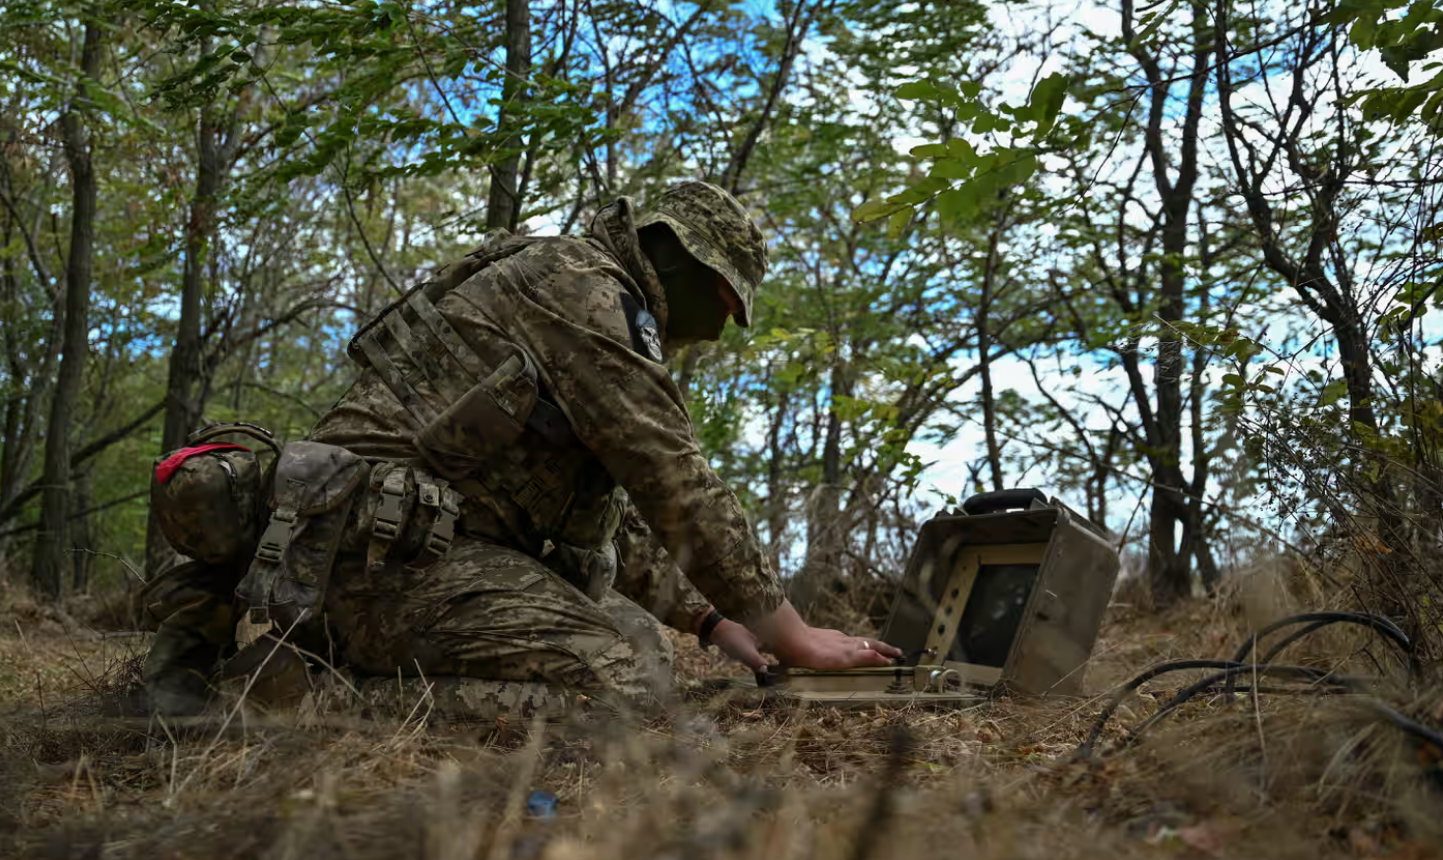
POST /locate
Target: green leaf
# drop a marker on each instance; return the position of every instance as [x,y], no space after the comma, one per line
[917,90]
[955,204]
[873,210]
[1153,23]
[1019,170]
[950,168]
[898,223]
[1047,98]
[929,150]
[1333,392]
[962,150]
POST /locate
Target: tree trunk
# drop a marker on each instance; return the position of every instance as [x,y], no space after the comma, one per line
[825,530]
[984,348]
[184,400]
[503,207]
[1170,564]
[48,569]
[776,506]
[81,538]
[1207,566]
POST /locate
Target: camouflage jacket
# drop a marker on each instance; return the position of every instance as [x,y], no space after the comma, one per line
[569,304]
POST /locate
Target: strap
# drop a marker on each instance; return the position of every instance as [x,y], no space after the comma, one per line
[255,431]
[396,381]
[390,514]
[270,554]
[464,355]
[277,537]
[703,636]
[401,333]
[442,531]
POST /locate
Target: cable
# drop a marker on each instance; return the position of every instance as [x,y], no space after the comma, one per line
[1379,624]
[1085,749]
[1339,684]
[1232,669]
[1410,726]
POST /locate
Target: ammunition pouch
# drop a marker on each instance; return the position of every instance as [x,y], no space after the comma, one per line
[409,517]
[314,491]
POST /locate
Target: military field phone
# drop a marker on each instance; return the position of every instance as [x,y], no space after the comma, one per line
[1008,591]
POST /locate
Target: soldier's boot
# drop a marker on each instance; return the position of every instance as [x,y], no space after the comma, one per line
[195,631]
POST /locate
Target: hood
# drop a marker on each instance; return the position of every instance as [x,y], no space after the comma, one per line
[614,229]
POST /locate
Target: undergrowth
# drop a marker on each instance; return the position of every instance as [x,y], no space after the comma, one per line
[84,774]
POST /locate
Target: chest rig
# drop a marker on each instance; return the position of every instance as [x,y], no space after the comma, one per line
[483,422]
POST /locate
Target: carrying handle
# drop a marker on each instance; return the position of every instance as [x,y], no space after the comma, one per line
[256,432]
[1003,500]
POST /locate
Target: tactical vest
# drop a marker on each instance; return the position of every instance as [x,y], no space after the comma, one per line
[483,420]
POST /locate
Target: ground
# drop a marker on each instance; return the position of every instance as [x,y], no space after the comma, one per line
[1285,776]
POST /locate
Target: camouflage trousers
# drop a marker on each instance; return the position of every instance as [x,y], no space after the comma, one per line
[488,611]
[483,612]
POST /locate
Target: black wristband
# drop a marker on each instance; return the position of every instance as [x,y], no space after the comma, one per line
[703,636]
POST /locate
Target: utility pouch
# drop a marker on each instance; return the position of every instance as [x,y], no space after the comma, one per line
[410,515]
[592,571]
[484,425]
[315,488]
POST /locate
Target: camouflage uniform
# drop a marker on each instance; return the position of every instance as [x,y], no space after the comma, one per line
[491,607]
[207,500]
[193,610]
[577,311]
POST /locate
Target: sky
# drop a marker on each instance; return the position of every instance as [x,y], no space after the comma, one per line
[949,472]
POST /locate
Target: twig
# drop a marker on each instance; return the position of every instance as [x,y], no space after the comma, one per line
[230,716]
[127,565]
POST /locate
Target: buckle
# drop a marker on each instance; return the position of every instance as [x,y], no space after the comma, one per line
[443,531]
[388,513]
[277,536]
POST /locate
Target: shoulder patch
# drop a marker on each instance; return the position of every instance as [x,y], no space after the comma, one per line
[645,334]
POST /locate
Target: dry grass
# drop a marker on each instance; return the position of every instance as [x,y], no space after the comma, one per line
[1280,776]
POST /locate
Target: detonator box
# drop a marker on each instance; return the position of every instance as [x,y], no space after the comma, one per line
[1007,591]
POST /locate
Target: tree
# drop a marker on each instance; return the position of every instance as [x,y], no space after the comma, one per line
[49,563]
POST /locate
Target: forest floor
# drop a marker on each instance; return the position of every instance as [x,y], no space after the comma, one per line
[1279,776]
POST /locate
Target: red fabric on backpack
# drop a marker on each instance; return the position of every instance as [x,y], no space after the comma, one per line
[167,467]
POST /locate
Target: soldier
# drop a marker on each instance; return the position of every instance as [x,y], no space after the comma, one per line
[533,498]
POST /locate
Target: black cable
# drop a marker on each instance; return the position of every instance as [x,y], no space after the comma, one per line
[1233,668]
[1085,749]
[1338,683]
[1410,725]
[1282,645]
[1379,624]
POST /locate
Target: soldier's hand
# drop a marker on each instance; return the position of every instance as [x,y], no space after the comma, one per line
[800,645]
[738,643]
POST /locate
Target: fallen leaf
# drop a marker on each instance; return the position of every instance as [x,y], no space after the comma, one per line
[1209,837]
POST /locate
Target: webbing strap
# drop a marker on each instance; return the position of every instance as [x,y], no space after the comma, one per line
[269,564]
[442,530]
[464,355]
[396,381]
[410,348]
[390,513]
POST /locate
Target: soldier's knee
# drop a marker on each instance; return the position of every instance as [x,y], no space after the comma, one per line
[634,678]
